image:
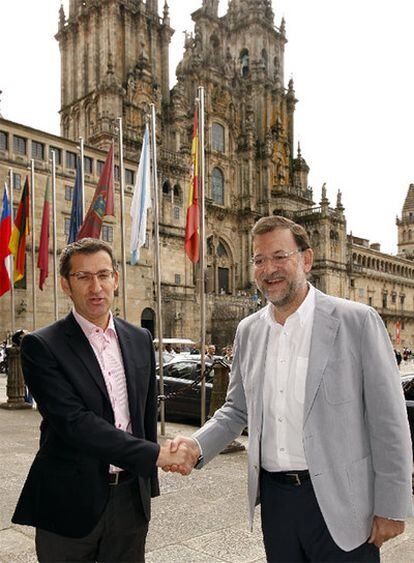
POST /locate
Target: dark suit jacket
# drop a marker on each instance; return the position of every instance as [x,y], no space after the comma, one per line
[67,487]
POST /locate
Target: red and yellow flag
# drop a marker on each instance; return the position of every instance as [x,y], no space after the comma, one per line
[192,226]
[21,230]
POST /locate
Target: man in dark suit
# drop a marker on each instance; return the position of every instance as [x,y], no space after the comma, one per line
[93,378]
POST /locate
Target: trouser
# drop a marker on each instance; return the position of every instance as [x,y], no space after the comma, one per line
[119,535]
[294,529]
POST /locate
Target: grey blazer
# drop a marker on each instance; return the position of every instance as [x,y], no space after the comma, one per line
[355,432]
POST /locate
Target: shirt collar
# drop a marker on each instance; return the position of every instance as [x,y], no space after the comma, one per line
[302,313]
[90,328]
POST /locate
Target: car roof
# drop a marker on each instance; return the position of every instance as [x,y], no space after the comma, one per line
[175,341]
[407,376]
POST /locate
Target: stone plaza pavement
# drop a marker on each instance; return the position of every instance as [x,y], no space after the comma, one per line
[201,518]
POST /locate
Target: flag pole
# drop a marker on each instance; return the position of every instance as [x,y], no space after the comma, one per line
[157,260]
[32,221]
[201,104]
[122,207]
[82,174]
[55,277]
[12,297]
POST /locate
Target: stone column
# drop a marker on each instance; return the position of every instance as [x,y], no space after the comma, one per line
[15,381]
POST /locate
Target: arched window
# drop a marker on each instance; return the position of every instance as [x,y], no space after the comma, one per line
[178,194]
[218,186]
[166,188]
[244,62]
[221,250]
[218,137]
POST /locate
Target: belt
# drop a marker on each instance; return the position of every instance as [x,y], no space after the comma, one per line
[295,478]
[120,477]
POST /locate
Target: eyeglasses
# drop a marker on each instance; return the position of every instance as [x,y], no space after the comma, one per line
[276,258]
[103,276]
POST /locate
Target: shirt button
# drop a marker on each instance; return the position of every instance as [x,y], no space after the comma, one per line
[282,449]
[282,361]
[280,419]
[280,390]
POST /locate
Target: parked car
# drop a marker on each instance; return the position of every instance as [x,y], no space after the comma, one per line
[407,381]
[180,375]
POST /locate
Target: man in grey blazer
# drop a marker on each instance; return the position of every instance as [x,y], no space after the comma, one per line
[315,380]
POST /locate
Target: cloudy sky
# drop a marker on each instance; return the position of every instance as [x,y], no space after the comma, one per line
[352,63]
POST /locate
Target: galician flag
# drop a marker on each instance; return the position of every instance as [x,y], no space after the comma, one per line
[141,200]
[192,234]
[5,254]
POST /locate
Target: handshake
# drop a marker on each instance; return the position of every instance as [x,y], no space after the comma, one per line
[179,455]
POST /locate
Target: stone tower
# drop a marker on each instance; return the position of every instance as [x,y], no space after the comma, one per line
[108,48]
[115,57]
[406,226]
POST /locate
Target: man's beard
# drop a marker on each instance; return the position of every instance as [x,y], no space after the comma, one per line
[287,297]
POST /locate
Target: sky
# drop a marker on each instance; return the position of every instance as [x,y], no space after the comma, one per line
[352,65]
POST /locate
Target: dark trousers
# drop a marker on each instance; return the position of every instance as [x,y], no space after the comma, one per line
[119,536]
[294,529]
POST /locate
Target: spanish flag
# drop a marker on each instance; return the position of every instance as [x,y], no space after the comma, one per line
[17,244]
[192,234]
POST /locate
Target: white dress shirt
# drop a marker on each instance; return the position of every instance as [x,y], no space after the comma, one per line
[284,388]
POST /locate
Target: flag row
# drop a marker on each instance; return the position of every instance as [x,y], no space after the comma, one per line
[13,237]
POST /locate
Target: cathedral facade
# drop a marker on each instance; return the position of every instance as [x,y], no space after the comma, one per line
[115,63]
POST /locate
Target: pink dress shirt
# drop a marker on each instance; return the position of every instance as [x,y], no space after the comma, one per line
[108,353]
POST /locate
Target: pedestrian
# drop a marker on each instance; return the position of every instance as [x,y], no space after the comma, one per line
[315,379]
[211,352]
[93,377]
[168,354]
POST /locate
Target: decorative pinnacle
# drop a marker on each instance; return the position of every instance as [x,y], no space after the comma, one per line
[62,18]
[299,151]
[166,13]
[283,26]
[339,205]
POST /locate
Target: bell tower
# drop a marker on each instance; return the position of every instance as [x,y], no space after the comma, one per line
[406,226]
[114,63]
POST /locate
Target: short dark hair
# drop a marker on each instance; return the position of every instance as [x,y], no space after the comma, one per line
[269,224]
[83,246]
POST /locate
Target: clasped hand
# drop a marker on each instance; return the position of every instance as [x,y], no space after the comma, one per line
[179,455]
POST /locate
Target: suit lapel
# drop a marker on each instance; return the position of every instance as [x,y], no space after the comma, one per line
[324,330]
[83,350]
[127,357]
